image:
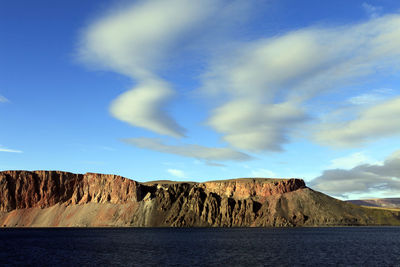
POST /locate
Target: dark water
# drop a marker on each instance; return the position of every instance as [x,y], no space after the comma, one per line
[356,246]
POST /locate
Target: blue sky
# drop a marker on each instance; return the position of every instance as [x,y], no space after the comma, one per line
[205,90]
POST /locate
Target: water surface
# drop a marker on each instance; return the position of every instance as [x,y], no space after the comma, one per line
[360,246]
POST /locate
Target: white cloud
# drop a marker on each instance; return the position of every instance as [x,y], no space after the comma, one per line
[371,10]
[214,164]
[177,173]
[136,40]
[372,123]
[365,178]
[253,126]
[265,85]
[365,99]
[350,161]
[4,149]
[290,70]
[143,107]
[262,173]
[207,154]
[3,99]
[373,97]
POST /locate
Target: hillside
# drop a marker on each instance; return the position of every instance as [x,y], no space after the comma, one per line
[54,199]
[389,203]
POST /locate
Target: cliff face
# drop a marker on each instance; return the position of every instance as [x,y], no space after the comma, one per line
[23,189]
[259,188]
[53,198]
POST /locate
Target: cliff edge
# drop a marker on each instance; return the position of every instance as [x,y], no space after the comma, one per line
[54,198]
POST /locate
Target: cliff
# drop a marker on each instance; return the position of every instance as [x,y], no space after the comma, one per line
[54,198]
[43,189]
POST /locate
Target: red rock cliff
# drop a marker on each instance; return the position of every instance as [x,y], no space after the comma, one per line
[25,189]
[248,187]
[54,198]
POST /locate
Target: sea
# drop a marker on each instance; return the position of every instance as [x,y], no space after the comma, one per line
[333,246]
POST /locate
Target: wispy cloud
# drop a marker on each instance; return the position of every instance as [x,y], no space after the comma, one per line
[372,97]
[262,173]
[207,154]
[144,107]
[365,178]
[371,10]
[270,81]
[214,164]
[3,99]
[375,122]
[262,89]
[4,149]
[252,125]
[136,40]
[350,161]
[177,173]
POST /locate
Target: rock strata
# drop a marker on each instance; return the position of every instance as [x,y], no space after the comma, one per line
[54,198]
[24,189]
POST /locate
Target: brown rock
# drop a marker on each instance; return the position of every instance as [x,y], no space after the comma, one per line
[54,198]
[24,189]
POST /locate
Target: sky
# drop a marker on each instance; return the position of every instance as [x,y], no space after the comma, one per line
[205,90]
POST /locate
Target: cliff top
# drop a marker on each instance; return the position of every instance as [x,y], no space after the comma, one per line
[244,179]
[260,180]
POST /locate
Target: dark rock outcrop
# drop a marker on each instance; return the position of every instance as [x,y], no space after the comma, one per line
[53,198]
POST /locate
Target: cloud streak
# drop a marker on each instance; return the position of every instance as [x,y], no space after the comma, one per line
[350,161]
[144,107]
[3,99]
[262,173]
[365,178]
[4,149]
[373,97]
[372,11]
[177,173]
[261,90]
[290,70]
[378,121]
[251,125]
[207,154]
[135,41]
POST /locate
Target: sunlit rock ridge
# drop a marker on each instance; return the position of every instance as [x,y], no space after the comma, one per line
[63,199]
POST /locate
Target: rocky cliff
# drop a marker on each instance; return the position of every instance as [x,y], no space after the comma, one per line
[43,189]
[54,198]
